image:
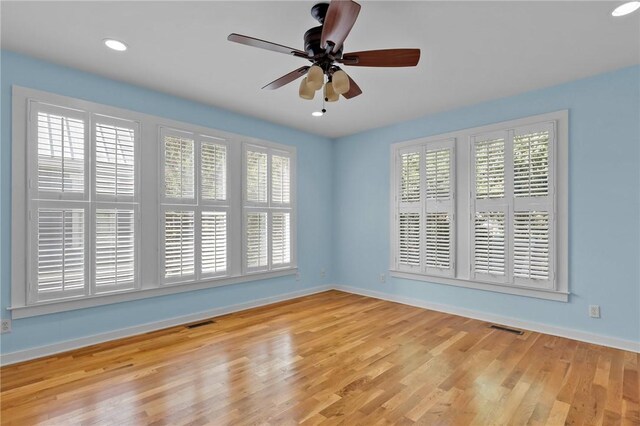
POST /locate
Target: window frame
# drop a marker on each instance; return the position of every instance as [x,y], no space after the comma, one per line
[148,193]
[464,209]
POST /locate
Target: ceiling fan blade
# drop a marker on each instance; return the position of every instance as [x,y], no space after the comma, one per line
[287,78]
[263,44]
[341,16]
[382,58]
[354,89]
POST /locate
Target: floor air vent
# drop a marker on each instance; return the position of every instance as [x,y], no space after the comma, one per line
[200,324]
[507,329]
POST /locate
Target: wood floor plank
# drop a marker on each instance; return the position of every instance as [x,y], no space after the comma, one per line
[328,359]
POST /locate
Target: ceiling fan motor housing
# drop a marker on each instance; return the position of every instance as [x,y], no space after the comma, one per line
[313,36]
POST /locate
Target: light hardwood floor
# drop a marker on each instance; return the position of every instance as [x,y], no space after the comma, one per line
[330,358]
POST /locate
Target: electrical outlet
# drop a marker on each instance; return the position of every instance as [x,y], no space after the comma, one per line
[297,276]
[323,273]
[594,311]
[6,326]
[382,278]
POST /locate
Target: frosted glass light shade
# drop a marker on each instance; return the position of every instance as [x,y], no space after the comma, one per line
[305,91]
[329,94]
[315,77]
[340,82]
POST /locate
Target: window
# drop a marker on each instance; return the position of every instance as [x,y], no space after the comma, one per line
[425,208]
[267,209]
[195,206]
[513,206]
[218,208]
[508,188]
[83,237]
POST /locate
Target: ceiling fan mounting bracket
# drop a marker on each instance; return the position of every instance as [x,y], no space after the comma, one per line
[319,11]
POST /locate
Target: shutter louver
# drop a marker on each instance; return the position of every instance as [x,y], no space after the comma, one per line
[438,240]
[114,250]
[410,178]
[61,151]
[115,160]
[61,251]
[179,168]
[213,166]
[531,165]
[280,180]
[214,242]
[256,234]
[409,239]
[179,250]
[256,177]
[438,170]
[490,163]
[531,245]
[280,239]
[489,243]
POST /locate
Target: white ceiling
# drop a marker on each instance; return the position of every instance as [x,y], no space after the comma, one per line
[471,52]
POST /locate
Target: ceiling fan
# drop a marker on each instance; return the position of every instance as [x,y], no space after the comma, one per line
[323,47]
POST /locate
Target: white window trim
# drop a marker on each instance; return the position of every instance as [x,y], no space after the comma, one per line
[149,283]
[464,209]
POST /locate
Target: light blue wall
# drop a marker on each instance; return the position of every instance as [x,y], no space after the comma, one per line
[314,204]
[343,190]
[604,205]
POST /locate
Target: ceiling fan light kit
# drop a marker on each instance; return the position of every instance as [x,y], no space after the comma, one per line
[340,81]
[324,46]
[315,77]
[305,91]
[330,94]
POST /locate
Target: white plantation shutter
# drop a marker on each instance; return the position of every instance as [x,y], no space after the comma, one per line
[256,176]
[61,152]
[256,240]
[179,245]
[425,208]
[280,179]
[179,166]
[438,174]
[513,224]
[115,148]
[213,242]
[489,168]
[491,195]
[438,240]
[408,209]
[280,239]
[531,245]
[268,226]
[410,177]
[531,164]
[533,205]
[439,208]
[213,169]
[409,239]
[60,267]
[115,250]
[490,244]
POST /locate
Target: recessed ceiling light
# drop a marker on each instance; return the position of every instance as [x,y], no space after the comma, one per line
[115,44]
[626,8]
[317,113]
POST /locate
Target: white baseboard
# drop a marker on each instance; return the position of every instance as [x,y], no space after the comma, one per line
[40,351]
[598,339]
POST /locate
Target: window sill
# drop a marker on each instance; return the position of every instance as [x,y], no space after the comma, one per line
[45,308]
[555,295]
